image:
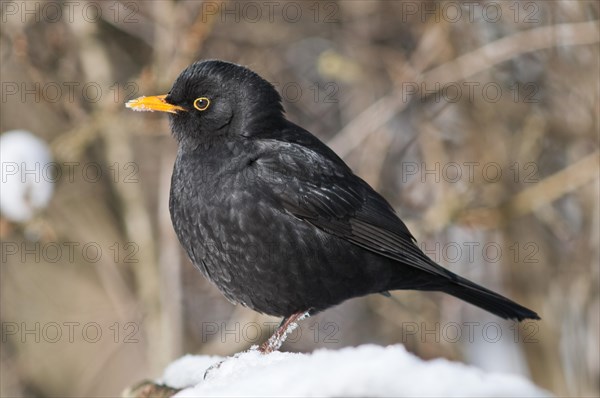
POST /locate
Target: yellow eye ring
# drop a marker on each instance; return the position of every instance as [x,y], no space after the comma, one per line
[201,103]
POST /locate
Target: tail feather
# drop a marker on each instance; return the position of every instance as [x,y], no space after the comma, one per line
[488,300]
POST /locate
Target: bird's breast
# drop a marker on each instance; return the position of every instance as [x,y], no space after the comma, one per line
[220,218]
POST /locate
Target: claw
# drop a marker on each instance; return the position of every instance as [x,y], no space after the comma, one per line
[217,365]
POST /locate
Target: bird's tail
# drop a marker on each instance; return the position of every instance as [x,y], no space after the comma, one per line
[487,300]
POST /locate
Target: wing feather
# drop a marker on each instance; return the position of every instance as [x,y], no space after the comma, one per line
[324,192]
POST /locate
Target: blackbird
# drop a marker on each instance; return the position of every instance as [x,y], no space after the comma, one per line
[274,218]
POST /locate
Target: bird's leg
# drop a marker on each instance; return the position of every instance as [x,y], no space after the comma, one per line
[286,327]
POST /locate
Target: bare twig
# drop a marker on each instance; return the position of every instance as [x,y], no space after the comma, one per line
[382,111]
[541,194]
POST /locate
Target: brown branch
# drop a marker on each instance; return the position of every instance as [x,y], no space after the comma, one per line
[545,192]
[382,111]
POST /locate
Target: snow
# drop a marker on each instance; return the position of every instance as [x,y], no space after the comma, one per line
[367,370]
[25,185]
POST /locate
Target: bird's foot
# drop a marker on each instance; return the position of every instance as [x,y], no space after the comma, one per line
[287,326]
[217,365]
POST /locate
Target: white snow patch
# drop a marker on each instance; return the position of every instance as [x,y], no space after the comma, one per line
[367,370]
[25,184]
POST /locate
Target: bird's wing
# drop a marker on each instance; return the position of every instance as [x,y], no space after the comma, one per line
[323,191]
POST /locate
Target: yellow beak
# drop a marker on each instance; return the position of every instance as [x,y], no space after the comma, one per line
[151,104]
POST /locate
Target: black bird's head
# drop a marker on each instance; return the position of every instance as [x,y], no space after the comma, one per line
[213,98]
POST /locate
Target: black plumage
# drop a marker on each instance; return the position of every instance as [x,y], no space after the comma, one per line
[273,217]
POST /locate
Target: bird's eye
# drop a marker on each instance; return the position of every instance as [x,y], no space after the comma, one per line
[201,103]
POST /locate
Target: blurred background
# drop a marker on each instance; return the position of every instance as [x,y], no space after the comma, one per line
[477,120]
